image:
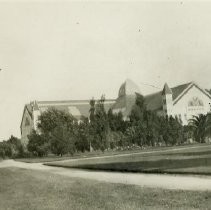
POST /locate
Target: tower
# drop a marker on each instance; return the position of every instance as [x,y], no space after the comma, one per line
[126,98]
[167,100]
[35,114]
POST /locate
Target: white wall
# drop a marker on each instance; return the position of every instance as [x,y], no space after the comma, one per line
[186,112]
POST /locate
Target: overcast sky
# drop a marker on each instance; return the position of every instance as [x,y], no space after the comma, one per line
[67,50]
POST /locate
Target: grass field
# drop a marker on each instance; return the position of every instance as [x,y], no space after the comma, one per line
[51,157]
[22,189]
[186,160]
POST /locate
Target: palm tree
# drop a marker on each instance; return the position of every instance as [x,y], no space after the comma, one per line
[200,125]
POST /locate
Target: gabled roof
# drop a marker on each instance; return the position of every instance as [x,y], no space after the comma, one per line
[128,88]
[176,91]
[27,108]
[154,101]
[190,85]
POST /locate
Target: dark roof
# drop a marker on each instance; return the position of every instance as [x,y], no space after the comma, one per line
[154,101]
[77,108]
[126,102]
[176,91]
[29,109]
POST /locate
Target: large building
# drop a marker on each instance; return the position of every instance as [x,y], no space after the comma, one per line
[33,110]
[182,101]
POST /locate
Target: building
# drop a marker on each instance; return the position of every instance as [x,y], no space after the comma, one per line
[182,101]
[33,110]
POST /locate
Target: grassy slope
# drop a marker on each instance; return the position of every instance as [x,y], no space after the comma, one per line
[190,160]
[26,190]
[52,158]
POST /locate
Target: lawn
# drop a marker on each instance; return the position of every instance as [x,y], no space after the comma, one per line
[51,157]
[22,189]
[186,160]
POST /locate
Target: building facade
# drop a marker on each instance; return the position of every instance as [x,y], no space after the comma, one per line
[32,111]
[183,101]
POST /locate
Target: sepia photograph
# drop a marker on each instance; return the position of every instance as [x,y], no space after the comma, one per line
[105,105]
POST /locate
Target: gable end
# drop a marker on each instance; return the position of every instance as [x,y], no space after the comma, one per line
[186,91]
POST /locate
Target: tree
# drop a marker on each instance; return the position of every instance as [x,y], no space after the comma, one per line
[59,128]
[151,127]
[199,126]
[136,134]
[115,139]
[144,124]
[92,110]
[82,135]
[100,126]
[16,146]
[116,122]
[170,130]
[175,131]
[2,151]
[138,109]
[38,144]
[62,140]
[52,118]
[5,149]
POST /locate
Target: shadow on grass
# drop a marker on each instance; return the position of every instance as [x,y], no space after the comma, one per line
[149,166]
[196,153]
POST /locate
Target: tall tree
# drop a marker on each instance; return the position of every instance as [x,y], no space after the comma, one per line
[101,125]
[62,140]
[116,122]
[199,124]
[92,110]
[137,112]
[38,144]
[59,128]
[82,135]
[52,118]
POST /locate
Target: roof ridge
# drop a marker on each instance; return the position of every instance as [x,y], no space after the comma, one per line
[69,101]
[188,83]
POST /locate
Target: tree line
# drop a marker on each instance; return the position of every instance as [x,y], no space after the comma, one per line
[60,133]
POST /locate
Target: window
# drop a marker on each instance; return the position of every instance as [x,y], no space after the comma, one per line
[195,101]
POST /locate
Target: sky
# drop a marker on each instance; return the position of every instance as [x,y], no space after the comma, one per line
[63,50]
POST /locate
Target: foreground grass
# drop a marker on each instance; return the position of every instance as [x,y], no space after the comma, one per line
[22,189]
[51,158]
[186,161]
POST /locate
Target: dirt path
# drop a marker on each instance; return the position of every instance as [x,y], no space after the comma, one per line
[178,182]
